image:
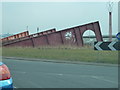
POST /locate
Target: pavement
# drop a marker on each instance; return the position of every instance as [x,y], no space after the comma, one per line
[49,74]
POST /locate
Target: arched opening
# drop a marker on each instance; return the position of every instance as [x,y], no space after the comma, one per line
[89,38]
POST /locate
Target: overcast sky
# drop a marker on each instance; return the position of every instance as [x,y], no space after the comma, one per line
[59,15]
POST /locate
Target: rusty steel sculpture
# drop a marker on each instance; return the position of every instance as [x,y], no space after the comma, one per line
[69,36]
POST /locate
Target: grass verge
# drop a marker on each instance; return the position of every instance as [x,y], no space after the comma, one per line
[85,54]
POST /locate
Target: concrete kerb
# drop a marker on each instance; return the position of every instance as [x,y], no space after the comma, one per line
[61,61]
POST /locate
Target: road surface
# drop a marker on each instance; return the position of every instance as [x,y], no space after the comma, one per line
[37,74]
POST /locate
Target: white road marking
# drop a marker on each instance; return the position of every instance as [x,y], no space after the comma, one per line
[103,79]
[15,87]
[60,74]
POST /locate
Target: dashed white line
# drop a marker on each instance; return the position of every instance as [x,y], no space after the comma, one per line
[103,79]
[15,87]
[60,74]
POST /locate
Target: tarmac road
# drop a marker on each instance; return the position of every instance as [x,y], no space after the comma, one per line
[38,74]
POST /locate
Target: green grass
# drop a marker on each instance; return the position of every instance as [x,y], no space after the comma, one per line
[85,54]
